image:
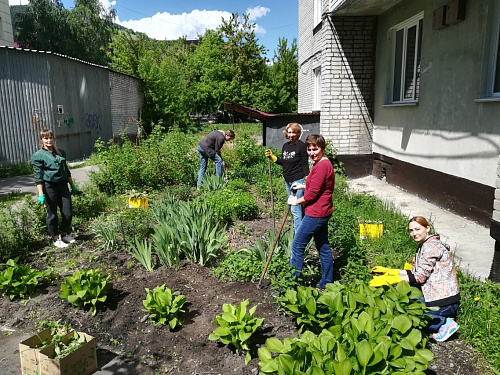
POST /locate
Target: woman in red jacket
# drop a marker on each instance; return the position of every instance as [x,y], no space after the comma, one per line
[318,204]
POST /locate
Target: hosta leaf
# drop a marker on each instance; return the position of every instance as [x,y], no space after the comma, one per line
[229,317]
[364,352]
[274,345]
[402,323]
[222,331]
[343,368]
[287,363]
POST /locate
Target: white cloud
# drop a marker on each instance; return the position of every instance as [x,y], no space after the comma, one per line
[173,26]
[107,4]
[18,2]
[257,12]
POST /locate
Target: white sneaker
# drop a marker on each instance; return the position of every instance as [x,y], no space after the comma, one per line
[60,244]
[68,239]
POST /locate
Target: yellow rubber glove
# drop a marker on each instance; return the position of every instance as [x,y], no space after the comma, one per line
[408,266]
[385,271]
[270,155]
[384,280]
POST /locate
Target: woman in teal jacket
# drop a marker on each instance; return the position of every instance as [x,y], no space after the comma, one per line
[51,177]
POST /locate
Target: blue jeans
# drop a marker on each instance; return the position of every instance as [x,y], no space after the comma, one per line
[316,227]
[203,165]
[439,316]
[297,211]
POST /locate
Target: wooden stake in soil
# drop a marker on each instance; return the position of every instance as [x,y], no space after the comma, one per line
[274,245]
[271,188]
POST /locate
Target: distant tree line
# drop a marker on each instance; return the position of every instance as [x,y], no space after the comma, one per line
[179,78]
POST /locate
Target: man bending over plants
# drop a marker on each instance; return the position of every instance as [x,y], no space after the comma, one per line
[209,148]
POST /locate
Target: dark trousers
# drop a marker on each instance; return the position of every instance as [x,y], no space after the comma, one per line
[58,195]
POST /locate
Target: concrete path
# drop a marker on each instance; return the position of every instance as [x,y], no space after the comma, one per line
[471,242]
[26,184]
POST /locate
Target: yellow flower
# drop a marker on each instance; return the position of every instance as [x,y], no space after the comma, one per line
[477,299]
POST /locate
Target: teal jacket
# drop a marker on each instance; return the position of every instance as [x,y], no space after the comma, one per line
[50,166]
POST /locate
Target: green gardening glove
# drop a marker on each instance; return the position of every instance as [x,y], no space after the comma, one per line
[41,199]
[384,280]
[75,190]
[385,271]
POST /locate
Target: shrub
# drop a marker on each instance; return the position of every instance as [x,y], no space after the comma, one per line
[230,205]
[247,152]
[21,227]
[159,160]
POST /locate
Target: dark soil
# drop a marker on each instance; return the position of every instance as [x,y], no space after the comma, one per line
[121,327]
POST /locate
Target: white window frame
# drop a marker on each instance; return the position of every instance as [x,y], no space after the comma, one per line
[494,56]
[318,11]
[415,21]
[317,89]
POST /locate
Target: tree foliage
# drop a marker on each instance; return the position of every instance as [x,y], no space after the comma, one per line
[83,32]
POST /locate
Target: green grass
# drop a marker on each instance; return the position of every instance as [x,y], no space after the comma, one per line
[12,198]
[16,170]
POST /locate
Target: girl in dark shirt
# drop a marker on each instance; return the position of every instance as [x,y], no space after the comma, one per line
[51,177]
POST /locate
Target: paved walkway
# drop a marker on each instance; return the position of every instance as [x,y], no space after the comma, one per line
[26,184]
[471,242]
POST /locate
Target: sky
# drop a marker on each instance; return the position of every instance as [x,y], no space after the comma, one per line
[168,20]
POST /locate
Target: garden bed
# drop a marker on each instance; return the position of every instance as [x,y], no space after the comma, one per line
[121,327]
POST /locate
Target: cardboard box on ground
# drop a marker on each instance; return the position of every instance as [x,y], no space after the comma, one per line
[34,361]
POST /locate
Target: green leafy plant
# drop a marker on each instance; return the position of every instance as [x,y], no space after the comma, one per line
[141,250]
[68,345]
[360,330]
[86,289]
[19,280]
[190,228]
[236,326]
[164,306]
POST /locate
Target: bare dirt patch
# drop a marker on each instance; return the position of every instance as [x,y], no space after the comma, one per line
[121,328]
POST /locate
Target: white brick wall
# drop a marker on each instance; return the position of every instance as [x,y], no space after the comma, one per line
[496,202]
[345,50]
[6,34]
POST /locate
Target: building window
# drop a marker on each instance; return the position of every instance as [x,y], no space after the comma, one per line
[493,79]
[406,47]
[318,11]
[317,89]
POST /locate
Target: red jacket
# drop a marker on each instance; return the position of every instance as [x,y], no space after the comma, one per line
[319,189]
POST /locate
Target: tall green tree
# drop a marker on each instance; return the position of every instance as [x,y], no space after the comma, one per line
[284,77]
[126,50]
[245,55]
[163,68]
[92,29]
[43,26]
[210,73]
[84,32]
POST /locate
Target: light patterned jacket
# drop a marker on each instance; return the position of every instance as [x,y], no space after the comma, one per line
[435,273]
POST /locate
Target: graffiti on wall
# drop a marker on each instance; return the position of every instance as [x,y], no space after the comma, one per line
[37,121]
[92,121]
